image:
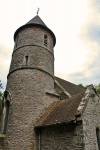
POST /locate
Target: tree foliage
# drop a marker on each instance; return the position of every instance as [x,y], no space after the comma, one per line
[98,88]
[1,86]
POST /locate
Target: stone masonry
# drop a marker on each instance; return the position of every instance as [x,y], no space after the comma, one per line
[31,74]
[61,137]
[91,119]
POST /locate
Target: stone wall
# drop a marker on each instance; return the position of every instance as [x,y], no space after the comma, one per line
[91,119]
[30,43]
[38,58]
[33,35]
[28,81]
[61,137]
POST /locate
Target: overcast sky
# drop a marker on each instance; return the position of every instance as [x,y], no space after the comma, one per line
[76,24]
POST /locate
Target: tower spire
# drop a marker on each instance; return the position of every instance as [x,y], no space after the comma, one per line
[38,11]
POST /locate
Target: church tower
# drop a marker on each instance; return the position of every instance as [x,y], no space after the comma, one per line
[30,76]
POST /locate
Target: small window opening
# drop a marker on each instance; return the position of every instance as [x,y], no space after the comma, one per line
[98,137]
[45,40]
[26,60]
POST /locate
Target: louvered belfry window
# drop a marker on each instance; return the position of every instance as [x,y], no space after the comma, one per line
[45,39]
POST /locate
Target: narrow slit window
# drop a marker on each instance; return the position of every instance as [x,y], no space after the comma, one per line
[45,40]
[98,137]
[26,60]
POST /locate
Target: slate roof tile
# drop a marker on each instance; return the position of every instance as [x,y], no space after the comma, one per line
[62,111]
[72,89]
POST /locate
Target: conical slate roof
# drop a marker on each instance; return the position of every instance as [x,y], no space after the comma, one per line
[36,21]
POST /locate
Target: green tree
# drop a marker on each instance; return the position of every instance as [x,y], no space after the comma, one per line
[98,88]
[1,86]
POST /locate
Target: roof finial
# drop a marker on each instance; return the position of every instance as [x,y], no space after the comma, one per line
[38,11]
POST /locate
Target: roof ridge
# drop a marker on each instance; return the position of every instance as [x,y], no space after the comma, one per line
[71,88]
[62,88]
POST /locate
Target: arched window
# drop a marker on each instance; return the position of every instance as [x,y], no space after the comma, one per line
[98,137]
[45,39]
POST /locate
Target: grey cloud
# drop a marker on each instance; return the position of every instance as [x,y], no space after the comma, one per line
[93,38]
[94,73]
[94,32]
[97,4]
[80,78]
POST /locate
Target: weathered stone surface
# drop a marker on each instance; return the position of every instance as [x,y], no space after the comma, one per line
[63,137]
[33,35]
[28,80]
[91,120]
[38,57]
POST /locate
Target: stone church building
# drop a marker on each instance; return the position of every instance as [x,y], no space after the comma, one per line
[41,111]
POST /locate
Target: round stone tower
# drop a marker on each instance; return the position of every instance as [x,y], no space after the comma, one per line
[31,74]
